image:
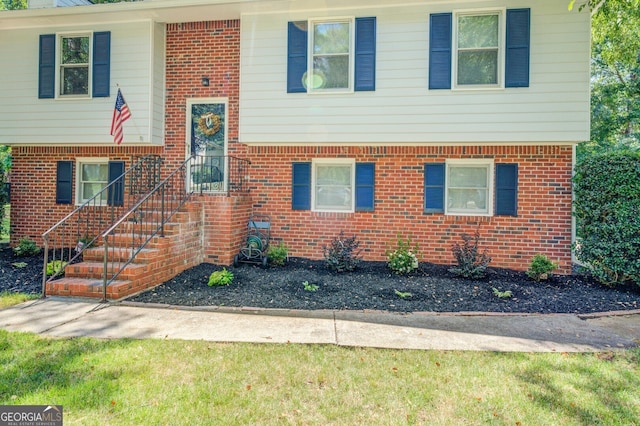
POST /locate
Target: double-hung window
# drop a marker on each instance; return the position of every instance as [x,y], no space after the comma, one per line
[78,62]
[93,176]
[479,49]
[333,183]
[468,187]
[478,57]
[74,65]
[331,55]
[331,58]
[471,187]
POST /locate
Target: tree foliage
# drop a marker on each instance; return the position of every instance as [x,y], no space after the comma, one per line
[615,82]
[607,209]
[13,4]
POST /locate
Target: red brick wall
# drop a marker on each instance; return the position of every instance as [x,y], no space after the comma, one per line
[194,50]
[543,224]
[33,184]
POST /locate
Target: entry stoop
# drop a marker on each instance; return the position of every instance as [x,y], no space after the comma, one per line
[163,258]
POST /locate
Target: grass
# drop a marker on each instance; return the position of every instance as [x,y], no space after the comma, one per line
[9,299]
[122,382]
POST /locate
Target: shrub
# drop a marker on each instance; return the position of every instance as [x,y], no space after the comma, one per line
[342,254]
[540,267]
[471,263]
[220,278]
[403,259]
[55,266]
[607,210]
[277,255]
[26,247]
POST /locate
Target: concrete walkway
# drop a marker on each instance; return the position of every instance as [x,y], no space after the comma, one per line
[63,317]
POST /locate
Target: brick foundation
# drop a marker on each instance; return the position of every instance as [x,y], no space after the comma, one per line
[543,224]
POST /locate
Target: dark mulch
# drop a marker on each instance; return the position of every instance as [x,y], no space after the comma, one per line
[372,286]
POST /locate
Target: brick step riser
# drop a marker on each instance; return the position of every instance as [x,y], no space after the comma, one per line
[120,255]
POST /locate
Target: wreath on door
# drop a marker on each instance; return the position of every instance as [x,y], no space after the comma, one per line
[209,123]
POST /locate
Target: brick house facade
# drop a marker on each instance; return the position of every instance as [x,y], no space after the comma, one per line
[399,187]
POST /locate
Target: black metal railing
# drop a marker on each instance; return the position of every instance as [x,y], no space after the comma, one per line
[218,174]
[129,235]
[65,242]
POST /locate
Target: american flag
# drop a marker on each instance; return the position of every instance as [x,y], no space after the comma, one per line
[121,114]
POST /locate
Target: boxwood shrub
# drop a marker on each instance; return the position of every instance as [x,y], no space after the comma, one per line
[607,210]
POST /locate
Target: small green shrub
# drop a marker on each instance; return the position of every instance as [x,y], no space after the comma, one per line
[403,259]
[540,267]
[55,266]
[607,211]
[277,255]
[342,254]
[310,287]
[502,294]
[26,247]
[471,263]
[403,294]
[220,278]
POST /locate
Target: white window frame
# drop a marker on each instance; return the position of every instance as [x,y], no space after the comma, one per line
[501,12]
[79,182]
[311,42]
[332,162]
[453,163]
[59,65]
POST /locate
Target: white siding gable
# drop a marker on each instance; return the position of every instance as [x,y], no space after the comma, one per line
[137,68]
[402,110]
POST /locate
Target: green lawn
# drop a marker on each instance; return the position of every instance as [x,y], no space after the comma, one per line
[173,382]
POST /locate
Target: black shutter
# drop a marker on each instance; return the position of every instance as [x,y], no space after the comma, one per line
[64,182]
[507,189]
[115,193]
[101,64]
[440,51]
[301,186]
[365,61]
[434,181]
[517,49]
[47,67]
[297,57]
[365,187]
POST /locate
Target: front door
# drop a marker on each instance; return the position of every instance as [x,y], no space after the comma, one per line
[207,141]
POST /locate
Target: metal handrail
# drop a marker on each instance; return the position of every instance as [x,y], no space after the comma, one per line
[71,235]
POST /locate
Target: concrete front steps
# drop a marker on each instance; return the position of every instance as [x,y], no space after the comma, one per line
[162,259]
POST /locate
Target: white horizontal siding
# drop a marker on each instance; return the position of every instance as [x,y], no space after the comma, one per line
[555,108]
[25,119]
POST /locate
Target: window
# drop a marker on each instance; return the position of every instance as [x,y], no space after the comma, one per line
[335,185]
[80,63]
[93,176]
[326,56]
[74,65]
[467,188]
[478,50]
[330,56]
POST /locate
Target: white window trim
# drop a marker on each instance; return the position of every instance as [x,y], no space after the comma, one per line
[78,184]
[352,45]
[489,163]
[333,162]
[502,22]
[58,78]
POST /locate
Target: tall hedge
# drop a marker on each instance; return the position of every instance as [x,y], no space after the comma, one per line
[607,209]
